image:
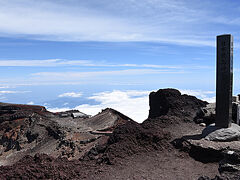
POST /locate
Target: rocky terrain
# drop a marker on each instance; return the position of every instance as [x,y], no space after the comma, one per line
[27,130]
[37,144]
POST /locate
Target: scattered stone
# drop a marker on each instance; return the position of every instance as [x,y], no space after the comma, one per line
[202,124]
[230,152]
[235,99]
[206,114]
[227,154]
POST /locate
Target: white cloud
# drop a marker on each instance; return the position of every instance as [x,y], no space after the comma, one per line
[208,96]
[76,75]
[210,99]
[2,93]
[46,104]
[131,103]
[58,109]
[177,22]
[88,63]
[13,92]
[129,76]
[71,94]
[148,66]
[45,63]
[30,103]
[73,23]
[8,92]
[4,87]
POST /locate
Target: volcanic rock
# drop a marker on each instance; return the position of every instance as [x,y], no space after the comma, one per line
[213,133]
[229,166]
[40,131]
[225,153]
[42,166]
[129,139]
[170,102]
[112,146]
[206,114]
[167,107]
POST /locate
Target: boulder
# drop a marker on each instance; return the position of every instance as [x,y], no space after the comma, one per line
[227,154]
[213,133]
[170,102]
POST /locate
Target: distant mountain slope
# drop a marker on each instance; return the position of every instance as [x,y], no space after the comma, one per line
[69,102]
[28,129]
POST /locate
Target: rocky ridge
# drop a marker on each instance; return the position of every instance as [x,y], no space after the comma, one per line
[166,141]
[28,130]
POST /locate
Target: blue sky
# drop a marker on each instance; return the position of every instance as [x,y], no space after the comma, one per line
[93,54]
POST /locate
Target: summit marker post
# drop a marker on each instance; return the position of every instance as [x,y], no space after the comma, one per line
[224,80]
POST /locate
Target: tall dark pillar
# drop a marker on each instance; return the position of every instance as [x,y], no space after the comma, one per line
[224,80]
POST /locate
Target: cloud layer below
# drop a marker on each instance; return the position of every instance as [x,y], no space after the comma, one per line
[134,104]
[71,94]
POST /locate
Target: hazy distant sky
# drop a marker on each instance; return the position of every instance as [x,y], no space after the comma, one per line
[93,54]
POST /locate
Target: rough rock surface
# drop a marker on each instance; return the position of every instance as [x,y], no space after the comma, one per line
[46,167]
[225,153]
[129,139]
[213,133]
[207,114]
[170,102]
[40,131]
[229,166]
[128,150]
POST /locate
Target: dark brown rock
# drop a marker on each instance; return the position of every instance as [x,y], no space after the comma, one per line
[170,102]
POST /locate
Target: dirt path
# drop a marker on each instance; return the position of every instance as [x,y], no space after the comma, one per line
[157,165]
